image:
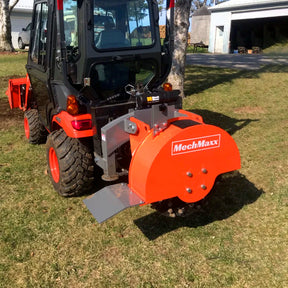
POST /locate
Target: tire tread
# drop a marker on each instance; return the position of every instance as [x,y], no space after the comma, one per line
[38,133]
[75,163]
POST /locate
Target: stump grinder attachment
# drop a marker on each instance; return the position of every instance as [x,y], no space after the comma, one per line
[174,155]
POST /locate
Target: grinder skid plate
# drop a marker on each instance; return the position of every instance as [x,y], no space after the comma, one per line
[111,200]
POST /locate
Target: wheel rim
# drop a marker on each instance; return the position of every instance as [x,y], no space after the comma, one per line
[26,128]
[54,165]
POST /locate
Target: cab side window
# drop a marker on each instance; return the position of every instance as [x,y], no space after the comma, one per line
[70,23]
[39,36]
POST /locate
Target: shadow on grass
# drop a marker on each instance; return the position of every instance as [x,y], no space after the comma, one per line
[230,194]
[200,78]
[231,125]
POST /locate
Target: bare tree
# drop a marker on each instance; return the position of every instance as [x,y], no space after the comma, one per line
[197,4]
[6,7]
[181,27]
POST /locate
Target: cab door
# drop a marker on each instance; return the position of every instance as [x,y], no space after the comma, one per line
[38,59]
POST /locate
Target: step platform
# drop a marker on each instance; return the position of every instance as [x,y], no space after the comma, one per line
[111,200]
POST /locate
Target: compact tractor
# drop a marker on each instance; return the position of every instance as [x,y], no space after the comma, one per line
[94,92]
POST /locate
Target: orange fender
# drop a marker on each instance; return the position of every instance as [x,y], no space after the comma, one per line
[79,126]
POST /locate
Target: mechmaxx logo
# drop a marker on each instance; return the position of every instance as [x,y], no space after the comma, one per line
[196,144]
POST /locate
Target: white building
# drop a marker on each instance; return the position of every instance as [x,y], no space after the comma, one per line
[21,16]
[247,23]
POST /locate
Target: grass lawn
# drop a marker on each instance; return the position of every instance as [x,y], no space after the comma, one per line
[238,237]
[280,48]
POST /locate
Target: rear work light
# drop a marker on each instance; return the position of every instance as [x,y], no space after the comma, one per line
[167,87]
[82,124]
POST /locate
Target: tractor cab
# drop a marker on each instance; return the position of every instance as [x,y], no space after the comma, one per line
[123,47]
[100,51]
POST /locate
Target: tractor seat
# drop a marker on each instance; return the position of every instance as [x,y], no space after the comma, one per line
[111,38]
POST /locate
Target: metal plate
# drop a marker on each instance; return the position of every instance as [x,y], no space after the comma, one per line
[111,200]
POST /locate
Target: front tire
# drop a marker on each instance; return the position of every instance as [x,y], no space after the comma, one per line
[70,164]
[35,131]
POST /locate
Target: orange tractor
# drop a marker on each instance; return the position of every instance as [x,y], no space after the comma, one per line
[94,90]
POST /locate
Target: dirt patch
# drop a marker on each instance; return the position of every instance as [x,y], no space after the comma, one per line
[249,110]
[4,80]
[9,117]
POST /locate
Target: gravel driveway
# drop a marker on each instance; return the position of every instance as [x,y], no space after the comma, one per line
[237,61]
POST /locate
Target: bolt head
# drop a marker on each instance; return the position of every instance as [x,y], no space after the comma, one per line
[203,187]
[204,170]
[189,190]
[189,174]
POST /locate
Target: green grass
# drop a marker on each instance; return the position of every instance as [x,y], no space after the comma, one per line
[280,48]
[237,238]
[190,49]
[11,66]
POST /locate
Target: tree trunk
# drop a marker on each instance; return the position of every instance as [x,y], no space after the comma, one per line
[5,25]
[182,15]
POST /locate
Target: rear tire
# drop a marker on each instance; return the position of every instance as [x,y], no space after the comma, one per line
[70,164]
[35,132]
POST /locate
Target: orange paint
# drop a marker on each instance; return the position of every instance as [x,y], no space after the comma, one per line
[14,93]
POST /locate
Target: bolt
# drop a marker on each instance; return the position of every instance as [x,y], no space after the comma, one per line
[189,174]
[165,124]
[156,126]
[203,187]
[204,170]
[189,190]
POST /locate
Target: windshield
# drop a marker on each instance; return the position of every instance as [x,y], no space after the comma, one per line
[122,24]
[110,78]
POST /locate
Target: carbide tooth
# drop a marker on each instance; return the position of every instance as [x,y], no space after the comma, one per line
[171,213]
[180,211]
